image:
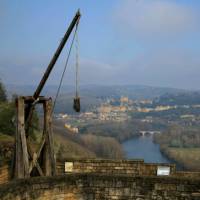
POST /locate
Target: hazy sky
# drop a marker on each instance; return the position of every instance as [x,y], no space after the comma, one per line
[148,42]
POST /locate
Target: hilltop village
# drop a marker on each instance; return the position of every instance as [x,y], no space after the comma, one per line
[111,110]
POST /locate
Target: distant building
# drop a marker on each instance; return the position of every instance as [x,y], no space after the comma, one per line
[72,129]
[146,101]
[144,110]
[63,116]
[162,108]
[187,116]
[148,119]
[105,109]
[118,108]
[124,99]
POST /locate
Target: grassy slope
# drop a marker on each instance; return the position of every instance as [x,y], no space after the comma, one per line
[6,138]
[68,145]
[87,145]
[101,139]
[6,146]
[66,148]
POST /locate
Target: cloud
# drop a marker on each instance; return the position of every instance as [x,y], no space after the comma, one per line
[162,38]
[178,68]
[97,72]
[91,72]
[173,68]
[147,18]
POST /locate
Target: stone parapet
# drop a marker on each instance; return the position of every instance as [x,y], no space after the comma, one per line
[91,186]
[4,174]
[106,166]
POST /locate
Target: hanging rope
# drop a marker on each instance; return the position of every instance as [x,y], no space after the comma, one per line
[77,105]
[65,67]
[77,64]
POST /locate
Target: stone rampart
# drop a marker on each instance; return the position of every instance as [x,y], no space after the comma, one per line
[122,167]
[97,179]
[101,187]
[4,174]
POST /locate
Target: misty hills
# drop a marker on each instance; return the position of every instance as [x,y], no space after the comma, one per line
[189,98]
[92,95]
[101,91]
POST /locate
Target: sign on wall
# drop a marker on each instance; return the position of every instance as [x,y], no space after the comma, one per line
[68,166]
[163,171]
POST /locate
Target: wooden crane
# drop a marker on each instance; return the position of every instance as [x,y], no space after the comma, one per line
[28,163]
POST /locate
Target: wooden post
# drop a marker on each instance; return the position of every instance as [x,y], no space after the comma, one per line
[48,152]
[21,153]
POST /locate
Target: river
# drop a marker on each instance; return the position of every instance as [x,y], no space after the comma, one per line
[144,148]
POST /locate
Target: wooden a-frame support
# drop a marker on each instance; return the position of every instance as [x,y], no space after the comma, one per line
[28,163]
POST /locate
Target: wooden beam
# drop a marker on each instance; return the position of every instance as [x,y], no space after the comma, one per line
[34,159]
[49,162]
[21,162]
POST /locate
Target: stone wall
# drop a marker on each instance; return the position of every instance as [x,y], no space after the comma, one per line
[123,167]
[4,174]
[102,187]
[104,179]
[187,174]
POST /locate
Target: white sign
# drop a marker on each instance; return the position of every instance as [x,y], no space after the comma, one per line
[68,166]
[163,171]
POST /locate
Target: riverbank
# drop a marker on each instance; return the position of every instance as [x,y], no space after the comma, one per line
[185,158]
[180,145]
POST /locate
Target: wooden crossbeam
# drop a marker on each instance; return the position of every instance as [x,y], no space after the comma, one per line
[34,159]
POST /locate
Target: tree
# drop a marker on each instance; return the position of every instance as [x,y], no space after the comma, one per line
[3,97]
[7,113]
